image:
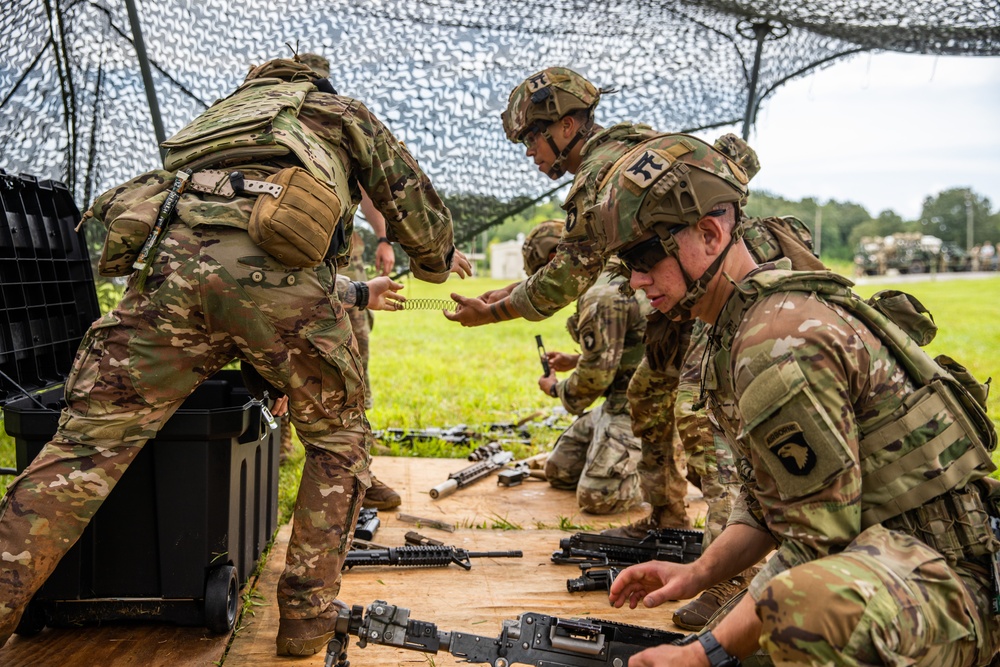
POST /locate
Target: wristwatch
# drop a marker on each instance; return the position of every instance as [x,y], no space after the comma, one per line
[384,239]
[554,390]
[717,656]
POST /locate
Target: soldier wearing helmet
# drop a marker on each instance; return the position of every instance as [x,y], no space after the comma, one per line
[552,114]
[597,456]
[257,224]
[827,406]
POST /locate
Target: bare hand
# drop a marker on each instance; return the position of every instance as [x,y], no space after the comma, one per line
[666,655]
[382,294]
[652,583]
[460,265]
[495,295]
[280,406]
[562,362]
[471,312]
[546,382]
[385,259]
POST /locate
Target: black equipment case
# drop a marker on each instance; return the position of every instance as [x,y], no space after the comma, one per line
[184,528]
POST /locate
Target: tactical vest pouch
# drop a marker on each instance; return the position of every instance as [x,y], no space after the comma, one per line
[128,211]
[978,390]
[907,313]
[298,226]
[126,235]
[955,524]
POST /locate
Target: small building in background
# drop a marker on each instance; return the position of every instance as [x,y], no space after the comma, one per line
[506,262]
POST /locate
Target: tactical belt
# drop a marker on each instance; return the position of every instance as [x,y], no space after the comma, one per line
[228,184]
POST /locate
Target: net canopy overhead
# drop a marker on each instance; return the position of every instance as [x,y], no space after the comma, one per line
[438,72]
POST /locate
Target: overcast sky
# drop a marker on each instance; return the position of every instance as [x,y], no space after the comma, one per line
[884,131]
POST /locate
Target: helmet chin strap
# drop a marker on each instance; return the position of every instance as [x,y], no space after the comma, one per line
[558,169]
[696,289]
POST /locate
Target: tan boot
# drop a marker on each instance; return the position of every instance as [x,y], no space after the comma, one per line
[697,613]
[381,497]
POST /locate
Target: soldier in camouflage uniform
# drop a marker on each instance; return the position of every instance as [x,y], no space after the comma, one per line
[864,462]
[597,454]
[211,294]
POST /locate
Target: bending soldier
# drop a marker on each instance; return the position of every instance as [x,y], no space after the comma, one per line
[210,294]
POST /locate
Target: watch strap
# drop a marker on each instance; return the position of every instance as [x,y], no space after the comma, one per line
[717,656]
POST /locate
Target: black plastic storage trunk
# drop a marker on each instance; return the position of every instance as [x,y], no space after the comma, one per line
[184,528]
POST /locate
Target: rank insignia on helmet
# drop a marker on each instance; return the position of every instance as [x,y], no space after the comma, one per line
[646,168]
[788,443]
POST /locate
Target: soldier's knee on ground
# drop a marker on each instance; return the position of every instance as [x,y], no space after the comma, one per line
[559,478]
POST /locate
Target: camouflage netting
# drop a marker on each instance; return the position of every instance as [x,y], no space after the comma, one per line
[438,72]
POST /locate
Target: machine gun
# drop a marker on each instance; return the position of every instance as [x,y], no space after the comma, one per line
[676,545]
[471,474]
[531,639]
[428,556]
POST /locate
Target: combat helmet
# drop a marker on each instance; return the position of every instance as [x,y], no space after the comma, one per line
[663,185]
[542,99]
[539,244]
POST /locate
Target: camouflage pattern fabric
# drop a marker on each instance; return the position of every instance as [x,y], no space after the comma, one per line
[212,296]
[361,320]
[598,455]
[578,260]
[709,460]
[651,397]
[608,326]
[793,382]
[567,92]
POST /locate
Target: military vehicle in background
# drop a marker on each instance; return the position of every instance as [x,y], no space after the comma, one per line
[907,252]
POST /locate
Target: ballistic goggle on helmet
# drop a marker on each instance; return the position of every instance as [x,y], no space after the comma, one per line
[662,186]
[539,244]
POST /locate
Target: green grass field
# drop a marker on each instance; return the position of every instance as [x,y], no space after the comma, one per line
[427,371]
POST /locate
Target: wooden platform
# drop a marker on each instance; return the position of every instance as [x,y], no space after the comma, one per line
[475,601]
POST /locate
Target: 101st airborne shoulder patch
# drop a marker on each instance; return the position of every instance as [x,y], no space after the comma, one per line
[787,442]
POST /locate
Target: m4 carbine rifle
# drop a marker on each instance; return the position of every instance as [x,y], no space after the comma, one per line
[429,556]
[532,639]
[676,545]
[471,474]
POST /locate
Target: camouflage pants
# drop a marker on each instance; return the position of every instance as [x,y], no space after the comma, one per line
[710,462]
[660,402]
[888,599]
[597,455]
[361,325]
[211,296]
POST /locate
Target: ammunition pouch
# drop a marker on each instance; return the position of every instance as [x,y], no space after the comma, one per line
[907,313]
[955,524]
[300,227]
[128,212]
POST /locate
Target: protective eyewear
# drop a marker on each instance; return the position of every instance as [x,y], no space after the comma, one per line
[644,255]
[531,135]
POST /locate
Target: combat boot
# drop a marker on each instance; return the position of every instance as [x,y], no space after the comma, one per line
[657,519]
[381,497]
[698,612]
[307,636]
